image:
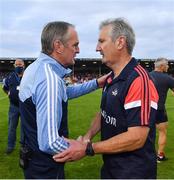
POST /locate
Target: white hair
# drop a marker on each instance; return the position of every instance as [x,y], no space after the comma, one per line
[120,27]
[160,61]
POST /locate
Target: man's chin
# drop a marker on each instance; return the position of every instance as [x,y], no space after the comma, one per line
[103,60]
[106,63]
[73,61]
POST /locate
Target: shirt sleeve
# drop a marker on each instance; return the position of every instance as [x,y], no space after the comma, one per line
[141,100]
[5,85]
[81,89]
[49,96]
[171,82]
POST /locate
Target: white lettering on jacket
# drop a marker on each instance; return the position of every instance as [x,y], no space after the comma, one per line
[109,119]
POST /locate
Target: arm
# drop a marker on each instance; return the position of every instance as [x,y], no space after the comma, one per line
[5,90]
[5,87]
[171,83]
[172,91]
[81,89]
[94,129]
[130,140]
[87,87]
[48,100]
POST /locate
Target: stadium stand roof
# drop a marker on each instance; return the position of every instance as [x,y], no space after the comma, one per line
[83,64]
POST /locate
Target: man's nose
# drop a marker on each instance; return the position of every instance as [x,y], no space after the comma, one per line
[77,50]
[98,48]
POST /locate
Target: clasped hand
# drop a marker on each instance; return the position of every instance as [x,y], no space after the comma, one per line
[76,151]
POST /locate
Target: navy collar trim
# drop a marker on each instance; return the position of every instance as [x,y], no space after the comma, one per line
[127,69]
[124,73]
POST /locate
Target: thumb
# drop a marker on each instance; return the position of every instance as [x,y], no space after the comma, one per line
[67,140]
[80,138]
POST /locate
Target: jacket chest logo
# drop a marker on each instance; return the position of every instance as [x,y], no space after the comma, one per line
[114,92]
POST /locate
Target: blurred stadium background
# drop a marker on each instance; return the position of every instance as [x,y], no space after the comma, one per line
[83,70]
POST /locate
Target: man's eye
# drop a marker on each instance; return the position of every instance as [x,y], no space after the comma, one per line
[76,45]
[101,41]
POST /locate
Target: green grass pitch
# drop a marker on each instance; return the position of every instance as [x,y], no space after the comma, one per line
[81,112]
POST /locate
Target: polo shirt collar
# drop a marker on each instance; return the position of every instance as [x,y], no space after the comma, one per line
[127,69]
[62,71]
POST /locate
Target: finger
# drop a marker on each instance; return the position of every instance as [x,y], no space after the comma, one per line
[62,154]
[64,159]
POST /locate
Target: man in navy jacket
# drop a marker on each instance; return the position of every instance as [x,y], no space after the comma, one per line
[11,88]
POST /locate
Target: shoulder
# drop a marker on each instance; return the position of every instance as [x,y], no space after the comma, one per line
[141,71]
[139,78]
[10,77]
[138,72]
[51,72]
[152,72]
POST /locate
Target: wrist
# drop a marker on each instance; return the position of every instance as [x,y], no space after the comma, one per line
[89,149]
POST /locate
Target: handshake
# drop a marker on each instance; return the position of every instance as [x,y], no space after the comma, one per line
[78,148]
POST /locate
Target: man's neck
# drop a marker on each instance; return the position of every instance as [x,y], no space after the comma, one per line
[158,70]
[56,58]
[120,65]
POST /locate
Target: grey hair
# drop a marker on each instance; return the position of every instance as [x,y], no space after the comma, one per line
[160,61]
[120,27]
[51,32]
[19,59]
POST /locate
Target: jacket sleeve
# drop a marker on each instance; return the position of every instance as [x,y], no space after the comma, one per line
[81,89]
[5,85]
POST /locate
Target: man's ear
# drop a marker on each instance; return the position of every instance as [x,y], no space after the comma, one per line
[58,46]
[120,42]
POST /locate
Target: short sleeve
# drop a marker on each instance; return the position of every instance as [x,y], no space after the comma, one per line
[142,96]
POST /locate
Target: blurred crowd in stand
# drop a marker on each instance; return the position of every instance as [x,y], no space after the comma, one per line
[72,79]
[80,78]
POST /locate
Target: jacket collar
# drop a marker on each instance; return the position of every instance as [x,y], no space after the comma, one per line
[62,71]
